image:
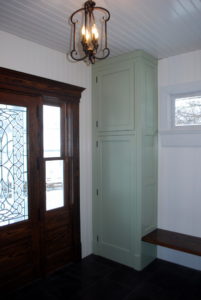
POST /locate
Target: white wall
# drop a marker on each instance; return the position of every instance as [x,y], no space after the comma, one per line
[25,56]
[179,195]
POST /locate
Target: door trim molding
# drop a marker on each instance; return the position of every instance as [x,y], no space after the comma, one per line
[31,84]
[25,84]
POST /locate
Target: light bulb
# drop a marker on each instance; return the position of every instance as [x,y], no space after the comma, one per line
[83,30]
[87,35]
[95,32]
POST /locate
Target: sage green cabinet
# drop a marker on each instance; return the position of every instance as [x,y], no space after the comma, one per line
[115,94]
[116,158]
[125,157]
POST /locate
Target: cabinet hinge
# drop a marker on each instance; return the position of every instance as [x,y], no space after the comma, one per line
[97,144]
[97,238]
[97,124]
[97,192]
[96,79]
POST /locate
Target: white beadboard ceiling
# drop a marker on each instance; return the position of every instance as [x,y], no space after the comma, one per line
[163,28]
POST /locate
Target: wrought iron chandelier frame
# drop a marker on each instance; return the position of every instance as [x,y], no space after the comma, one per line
[90,54]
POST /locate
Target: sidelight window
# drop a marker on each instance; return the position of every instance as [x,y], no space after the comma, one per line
[54,161]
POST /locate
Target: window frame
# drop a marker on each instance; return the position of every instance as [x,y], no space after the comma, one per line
[56,102]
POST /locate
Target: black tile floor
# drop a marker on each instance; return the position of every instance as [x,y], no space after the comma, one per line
[96,278]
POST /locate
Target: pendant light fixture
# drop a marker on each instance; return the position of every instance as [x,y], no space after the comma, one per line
[89,39]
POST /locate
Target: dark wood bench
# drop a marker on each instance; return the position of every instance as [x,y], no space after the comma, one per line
[173,240]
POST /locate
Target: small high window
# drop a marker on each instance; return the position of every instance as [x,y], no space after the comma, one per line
[187,110]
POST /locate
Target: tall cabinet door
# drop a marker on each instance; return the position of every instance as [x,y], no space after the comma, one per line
[19,226]
[114,202]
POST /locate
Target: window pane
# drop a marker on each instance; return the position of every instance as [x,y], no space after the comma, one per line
[54,184]
[13,164]
[188,111]
[51,131]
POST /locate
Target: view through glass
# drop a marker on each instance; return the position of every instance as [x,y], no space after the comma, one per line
[52,131]
[188,111]
[52,154]
[54,184]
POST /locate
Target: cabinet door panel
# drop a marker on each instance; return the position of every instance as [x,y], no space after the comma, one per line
[149,183]
[116,99]
[116,167]
[150,105]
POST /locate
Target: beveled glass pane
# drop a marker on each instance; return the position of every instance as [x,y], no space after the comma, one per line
[188,111]
[13,164]
[54,184]
[51,131]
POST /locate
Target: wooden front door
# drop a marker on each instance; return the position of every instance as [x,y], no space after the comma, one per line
[19,195]
[39,173]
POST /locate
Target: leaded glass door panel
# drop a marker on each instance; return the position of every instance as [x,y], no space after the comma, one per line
[13,161]
[19,195]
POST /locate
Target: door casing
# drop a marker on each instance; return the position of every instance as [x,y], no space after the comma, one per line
[42,234]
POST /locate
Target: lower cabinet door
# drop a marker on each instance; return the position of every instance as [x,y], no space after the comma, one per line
[115,201]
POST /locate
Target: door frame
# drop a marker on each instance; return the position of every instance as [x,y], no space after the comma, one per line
[25,84]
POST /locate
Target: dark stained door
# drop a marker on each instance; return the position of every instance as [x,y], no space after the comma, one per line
[19,193]
[39,173]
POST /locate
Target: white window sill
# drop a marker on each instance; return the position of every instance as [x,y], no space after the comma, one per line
[180,137]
